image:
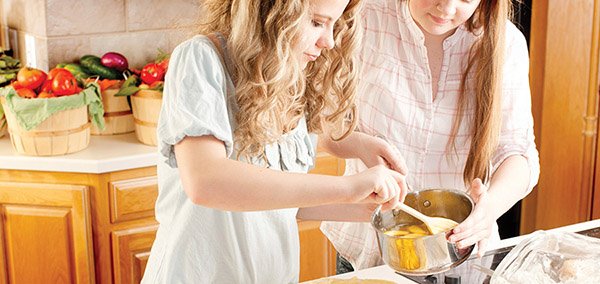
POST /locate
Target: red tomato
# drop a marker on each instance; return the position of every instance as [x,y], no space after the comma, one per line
[151,73]
[16,85]
[46,87]
[31,78]
[56,71]
[26,93]
[64,84]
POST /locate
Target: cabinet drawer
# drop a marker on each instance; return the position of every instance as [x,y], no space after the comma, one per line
[133,198]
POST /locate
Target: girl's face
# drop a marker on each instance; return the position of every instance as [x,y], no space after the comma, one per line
[317,29]
[441,17]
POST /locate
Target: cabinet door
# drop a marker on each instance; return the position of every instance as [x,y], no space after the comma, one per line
[326,164]
[317,255]
[45,234]
[131,249]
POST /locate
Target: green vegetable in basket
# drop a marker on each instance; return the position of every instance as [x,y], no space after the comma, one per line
[95,67]
[9,67]
[129,87]
[78,71]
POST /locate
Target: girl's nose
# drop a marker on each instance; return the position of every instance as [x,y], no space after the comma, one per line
[326,40]
[447,7]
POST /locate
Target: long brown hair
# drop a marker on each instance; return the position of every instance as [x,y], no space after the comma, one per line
[272,91]
[486,59]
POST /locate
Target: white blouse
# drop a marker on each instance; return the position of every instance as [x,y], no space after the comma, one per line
[196,244]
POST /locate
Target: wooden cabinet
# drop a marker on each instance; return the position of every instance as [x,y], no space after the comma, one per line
[317,255]
[131,249]
[46,233]
[564,82]
[86,228]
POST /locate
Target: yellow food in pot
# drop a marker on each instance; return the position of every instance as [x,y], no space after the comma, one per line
[409,232]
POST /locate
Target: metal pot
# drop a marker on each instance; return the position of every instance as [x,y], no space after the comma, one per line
[424,255]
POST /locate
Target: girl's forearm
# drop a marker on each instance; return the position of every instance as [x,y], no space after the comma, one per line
[346,148]
[210,179]
[338,212]
[509,184]
[236,186]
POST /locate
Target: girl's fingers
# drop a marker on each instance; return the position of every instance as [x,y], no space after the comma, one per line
[391,203]
[481,247]
[471,240]
[395,160]
[382,193]
[468,227]
[400,181]
[397,192]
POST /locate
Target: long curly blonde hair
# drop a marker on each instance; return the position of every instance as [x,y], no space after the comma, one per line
[272,91]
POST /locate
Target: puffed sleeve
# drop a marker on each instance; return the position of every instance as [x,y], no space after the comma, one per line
[516,134]
[194,100]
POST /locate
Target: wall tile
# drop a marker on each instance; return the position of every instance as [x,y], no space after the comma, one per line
[160,14]
[67,17]
[33,51]
[67,49]
[179,35]
[26,15]
[138,47]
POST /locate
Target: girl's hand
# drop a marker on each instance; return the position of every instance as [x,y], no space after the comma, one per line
[478,227]
[376,151]
[378,185]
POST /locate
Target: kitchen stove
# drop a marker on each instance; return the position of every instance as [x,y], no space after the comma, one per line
[468,272]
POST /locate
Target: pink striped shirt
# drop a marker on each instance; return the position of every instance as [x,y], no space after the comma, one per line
[396,102]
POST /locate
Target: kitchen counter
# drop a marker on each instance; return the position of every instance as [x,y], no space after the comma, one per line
[104,154]
[384,272]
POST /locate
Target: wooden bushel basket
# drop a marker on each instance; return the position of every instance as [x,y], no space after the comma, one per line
[118,117]
[146,108]
[2,126]
[64,132]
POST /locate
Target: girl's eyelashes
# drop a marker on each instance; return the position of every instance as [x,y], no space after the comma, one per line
[317,24]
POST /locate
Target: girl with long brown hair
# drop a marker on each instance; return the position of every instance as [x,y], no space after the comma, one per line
[239,103]
[446,83]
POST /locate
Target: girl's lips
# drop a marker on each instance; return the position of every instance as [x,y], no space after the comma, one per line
[311,57]
[438,20]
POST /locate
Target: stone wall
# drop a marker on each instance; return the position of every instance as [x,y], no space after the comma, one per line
[49,32]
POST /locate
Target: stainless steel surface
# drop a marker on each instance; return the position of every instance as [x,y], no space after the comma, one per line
[429,254]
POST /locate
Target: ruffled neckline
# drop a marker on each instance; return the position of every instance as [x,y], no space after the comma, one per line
[293,151]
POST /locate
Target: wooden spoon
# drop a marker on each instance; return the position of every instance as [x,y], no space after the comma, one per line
[434,224]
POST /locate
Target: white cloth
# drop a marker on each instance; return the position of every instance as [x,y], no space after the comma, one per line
[396,102]
[195,244]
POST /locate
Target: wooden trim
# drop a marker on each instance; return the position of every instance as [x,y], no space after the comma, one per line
[594,91]
[537,51]
[590,131]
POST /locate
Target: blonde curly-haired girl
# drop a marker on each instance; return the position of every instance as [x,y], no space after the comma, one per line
[239,104]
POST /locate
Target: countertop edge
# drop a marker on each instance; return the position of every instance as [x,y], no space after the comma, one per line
[79,166]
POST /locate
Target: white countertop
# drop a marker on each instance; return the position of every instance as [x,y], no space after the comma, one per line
[384,272]
[104,154]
